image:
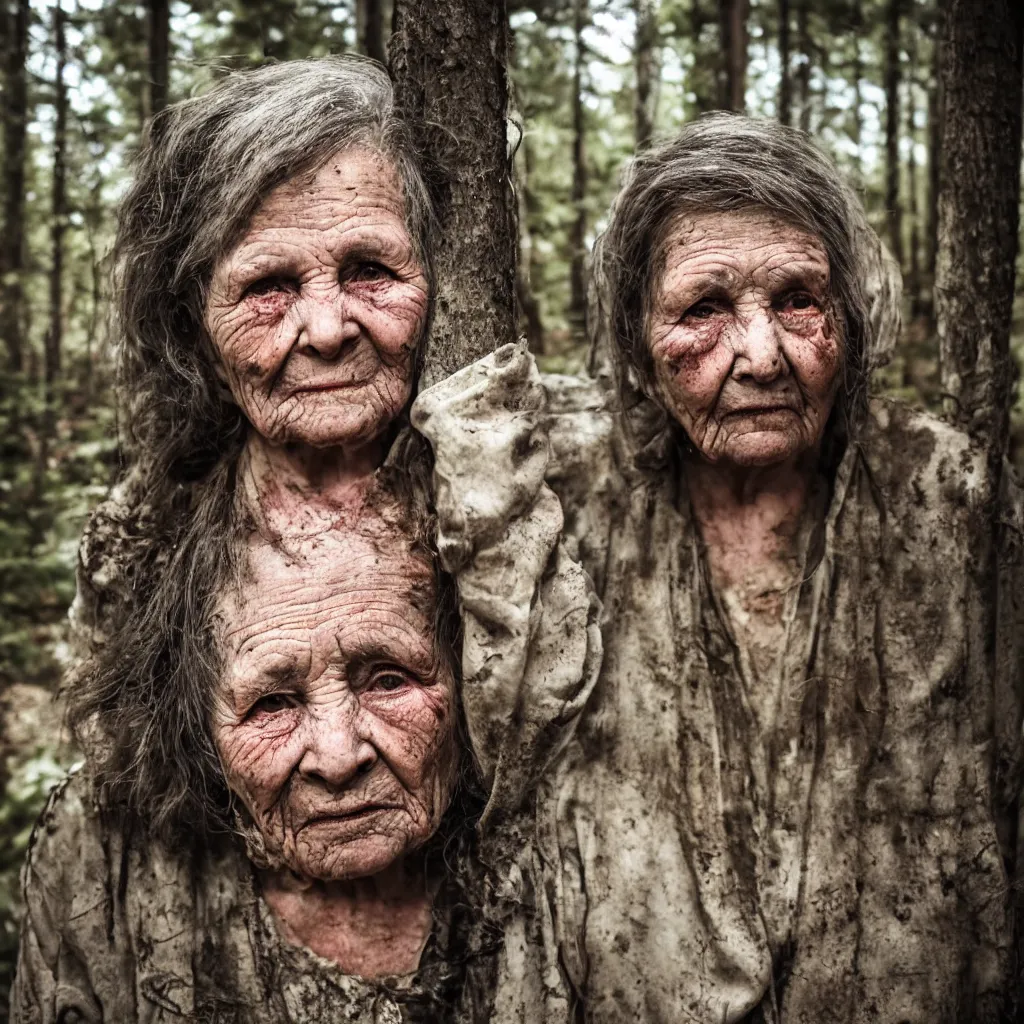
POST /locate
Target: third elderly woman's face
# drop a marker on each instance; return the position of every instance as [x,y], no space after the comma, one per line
[316,313]
[746,355]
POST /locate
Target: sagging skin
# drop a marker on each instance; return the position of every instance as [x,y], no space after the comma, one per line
[747,357]
[334,724]
[316,315]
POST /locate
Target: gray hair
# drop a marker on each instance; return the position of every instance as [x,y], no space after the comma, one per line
[206,166]
[724,162]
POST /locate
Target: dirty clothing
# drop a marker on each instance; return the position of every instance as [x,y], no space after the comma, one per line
[119,928]
[682,856]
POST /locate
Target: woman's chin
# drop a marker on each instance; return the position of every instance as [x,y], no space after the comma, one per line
[762,448]
[347,861]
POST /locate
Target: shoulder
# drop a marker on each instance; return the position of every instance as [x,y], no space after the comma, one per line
[920,457]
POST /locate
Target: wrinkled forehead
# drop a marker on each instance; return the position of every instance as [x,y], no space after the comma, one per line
[352,176]
[348,578]
[692,237]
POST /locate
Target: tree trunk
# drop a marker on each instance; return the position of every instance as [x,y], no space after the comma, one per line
[448,59]
[59,214]
[935,108]
[803,42]
[894,214]
[733,20]
[978,213]
[914,274]
[15,123]
[785,81]
[646,14]
[370,28]
[159,13]
[578,232]
[857,73]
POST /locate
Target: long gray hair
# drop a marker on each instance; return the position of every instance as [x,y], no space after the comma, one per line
[725,162]
[157,555]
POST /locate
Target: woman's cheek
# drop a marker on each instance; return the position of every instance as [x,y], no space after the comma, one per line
[692,365]
[394,314]
[815,360]
[259,756]
[414,729]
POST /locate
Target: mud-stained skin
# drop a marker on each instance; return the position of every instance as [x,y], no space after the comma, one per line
[745,353]
[317,312]
[334,727]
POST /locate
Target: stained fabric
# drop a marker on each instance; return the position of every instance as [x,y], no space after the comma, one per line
[121,928]
[685,850]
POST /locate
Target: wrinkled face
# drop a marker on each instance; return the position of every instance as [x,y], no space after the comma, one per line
[745,352]
[334,720]
[317,312]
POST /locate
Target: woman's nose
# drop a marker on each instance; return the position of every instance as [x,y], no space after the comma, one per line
[757,348]
[326,326]
[336,749]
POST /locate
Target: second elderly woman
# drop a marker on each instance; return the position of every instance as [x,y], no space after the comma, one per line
[791,796]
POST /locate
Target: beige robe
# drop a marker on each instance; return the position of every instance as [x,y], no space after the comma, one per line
[670,860]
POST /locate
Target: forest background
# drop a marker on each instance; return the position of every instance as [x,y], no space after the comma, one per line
[591,80]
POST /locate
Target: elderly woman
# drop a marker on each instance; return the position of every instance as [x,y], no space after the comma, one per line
[791,793]
[270,824]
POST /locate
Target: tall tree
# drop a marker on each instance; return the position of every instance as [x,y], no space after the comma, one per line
[978,213]
[785,80]
[15,125]
[935,108]
[448,58]
[59,210]
[578,232]
[370,27]
[914,264]
[159,53]
[894,213]
[733,20]
[803,75]
[644,60]
[857,74]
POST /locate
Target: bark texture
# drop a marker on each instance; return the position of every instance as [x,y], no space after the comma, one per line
[645,62]
[159,13]
[978,213]
[15,125]
[578,195]
[733,20]
[448,60]
[893,210]
[785,80]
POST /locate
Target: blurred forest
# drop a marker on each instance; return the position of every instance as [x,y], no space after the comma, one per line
[592,80]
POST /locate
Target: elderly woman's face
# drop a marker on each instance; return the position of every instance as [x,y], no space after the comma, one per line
[334,721]
[317,312]
[746,355]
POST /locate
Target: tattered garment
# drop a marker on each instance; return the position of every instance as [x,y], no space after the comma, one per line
[122,929]
[676,855]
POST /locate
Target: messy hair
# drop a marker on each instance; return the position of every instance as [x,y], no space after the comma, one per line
[726,162]
[157,555]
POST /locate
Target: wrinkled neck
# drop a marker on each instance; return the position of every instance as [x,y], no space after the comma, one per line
[750,517]
[373,927]
[289,487]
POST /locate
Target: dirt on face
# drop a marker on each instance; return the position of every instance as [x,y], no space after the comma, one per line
[317,312]
[746,356]
[334,721]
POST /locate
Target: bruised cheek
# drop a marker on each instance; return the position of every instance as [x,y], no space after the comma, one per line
[260,754]
[252,339]
[814,356]
[691,365]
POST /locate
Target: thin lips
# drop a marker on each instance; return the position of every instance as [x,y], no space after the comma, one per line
[332,386]
[356,812]
[748,409]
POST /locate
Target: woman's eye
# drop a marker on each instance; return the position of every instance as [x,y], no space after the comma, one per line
[389,680]
[702,310]
[270,286]
[369,272]
[273,703]
[800,301]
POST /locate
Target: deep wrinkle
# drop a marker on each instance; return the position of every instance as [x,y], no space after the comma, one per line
[334,726]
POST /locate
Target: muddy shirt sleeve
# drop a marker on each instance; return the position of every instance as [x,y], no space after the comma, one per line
[532,645]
